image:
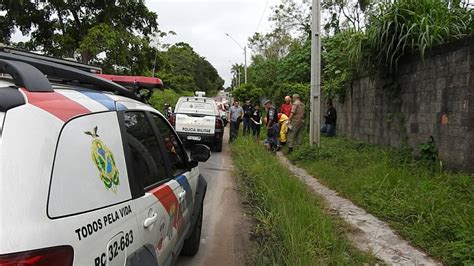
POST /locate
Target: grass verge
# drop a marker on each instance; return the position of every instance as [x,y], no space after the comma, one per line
[293,225]
[432,209]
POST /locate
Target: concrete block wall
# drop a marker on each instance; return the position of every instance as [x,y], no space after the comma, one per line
[430,97]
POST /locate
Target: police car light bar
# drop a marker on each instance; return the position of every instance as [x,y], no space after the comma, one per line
[135,82]
[200,93]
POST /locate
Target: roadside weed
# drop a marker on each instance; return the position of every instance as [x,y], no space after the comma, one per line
[432,209]
[293,226]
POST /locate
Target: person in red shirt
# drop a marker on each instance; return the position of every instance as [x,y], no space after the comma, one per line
[286,106]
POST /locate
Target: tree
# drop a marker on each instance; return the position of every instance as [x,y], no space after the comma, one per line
[263,74]
[116,35]
[293,18]
[248,92]
[347,14]
[362,36]
[272,46]
[296,66]
[284,89]
[238,77]
[167,96]
[185,70]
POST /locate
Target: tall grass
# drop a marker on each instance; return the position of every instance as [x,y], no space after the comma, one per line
[408,26]
[432,209]
[293,226]
[395,29]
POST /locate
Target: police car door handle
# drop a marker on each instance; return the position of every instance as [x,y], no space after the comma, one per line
[151,220]
[181,195]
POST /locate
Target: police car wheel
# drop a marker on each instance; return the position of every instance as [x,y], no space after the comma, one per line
[191,245]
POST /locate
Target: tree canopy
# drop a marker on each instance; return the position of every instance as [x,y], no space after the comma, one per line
[360,36]
[113,34]
[184,70]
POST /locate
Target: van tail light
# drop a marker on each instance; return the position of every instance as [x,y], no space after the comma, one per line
[172,119]
[62,255]
[219,123]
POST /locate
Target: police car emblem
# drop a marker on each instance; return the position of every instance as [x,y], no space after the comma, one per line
[103,158]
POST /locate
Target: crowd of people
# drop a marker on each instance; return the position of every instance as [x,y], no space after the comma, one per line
[284,126]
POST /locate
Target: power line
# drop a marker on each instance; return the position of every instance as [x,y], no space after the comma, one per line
[261,17]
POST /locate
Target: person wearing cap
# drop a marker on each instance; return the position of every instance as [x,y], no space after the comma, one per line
[236,114]
[295,123]
[272,126]
[285,108]
[247,114]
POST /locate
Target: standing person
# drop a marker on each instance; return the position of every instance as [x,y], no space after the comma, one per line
[285,108]
[256,120]
[236,114]
[329,127]
[248,109]
[295,123]
[283,123]
[272,126]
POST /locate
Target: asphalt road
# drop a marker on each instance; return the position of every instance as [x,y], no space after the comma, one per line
[225,232]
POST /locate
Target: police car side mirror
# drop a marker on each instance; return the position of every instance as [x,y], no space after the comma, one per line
[200,153]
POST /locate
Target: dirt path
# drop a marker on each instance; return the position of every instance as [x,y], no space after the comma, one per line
[370,233]
[226,230]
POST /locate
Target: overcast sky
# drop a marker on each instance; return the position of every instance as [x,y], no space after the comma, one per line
[203,25]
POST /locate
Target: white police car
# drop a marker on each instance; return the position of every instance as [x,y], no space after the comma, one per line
[198,120]
[89,177]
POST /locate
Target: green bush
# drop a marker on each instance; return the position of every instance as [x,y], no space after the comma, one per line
[248,92]
[284,89]
[167,96]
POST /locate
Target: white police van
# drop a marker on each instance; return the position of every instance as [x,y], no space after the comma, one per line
[89,174]
[198,120]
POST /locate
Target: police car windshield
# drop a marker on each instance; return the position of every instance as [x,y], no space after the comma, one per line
[196,107]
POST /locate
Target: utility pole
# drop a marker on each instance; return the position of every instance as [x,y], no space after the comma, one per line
[245,56]
[314,133]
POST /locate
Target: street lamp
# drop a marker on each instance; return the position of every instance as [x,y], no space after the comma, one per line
[245,55]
